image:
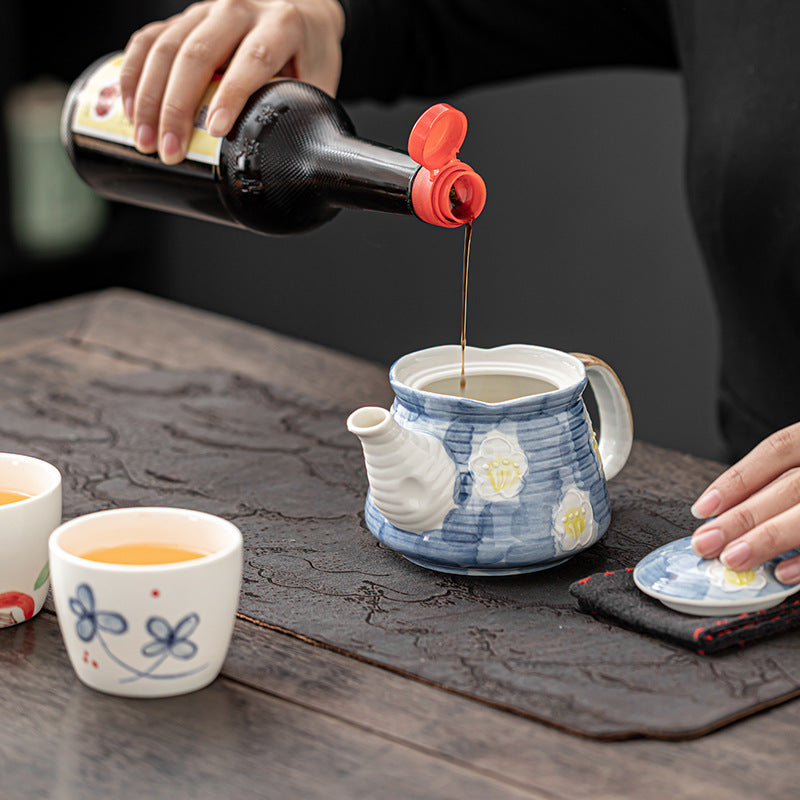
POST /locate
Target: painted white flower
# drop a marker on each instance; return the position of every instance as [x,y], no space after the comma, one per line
[498,467]
[573,521]
[728,580]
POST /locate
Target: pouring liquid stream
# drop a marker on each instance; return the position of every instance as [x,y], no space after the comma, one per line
[464,282]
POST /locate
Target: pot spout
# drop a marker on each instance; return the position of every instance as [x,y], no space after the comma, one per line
[411,476]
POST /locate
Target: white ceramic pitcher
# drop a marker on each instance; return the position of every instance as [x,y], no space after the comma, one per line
[477,488]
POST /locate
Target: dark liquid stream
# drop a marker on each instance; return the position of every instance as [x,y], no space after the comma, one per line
[464,282]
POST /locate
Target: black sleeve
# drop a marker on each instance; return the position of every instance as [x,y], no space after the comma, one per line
[395,48]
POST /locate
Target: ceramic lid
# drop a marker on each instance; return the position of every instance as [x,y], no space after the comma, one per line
[685,582]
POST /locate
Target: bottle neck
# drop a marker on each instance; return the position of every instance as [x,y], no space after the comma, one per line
[378,178]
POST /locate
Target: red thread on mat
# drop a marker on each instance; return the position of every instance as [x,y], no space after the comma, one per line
[585,580]
[775,618]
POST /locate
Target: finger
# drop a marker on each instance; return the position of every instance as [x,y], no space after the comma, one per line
[769,539]
[778,496]
[774,456]
[155,74]
[320,62]
[323,73]
[258,59]
[320,66]
[788,571]
[133,62]
[205,49]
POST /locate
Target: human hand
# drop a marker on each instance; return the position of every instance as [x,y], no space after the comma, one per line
[756,508]
[168,64]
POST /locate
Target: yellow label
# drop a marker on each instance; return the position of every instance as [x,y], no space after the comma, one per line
[100,114]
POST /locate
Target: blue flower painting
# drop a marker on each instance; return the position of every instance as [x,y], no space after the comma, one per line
[169,640]
[91,621]
[166,641]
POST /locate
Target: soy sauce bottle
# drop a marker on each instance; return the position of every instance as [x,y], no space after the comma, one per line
[290,163]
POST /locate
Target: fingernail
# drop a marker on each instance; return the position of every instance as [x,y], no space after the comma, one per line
[736,555]
[170,145]
[707,504]
[128,105]
[708,543]
[145,137]
[788,571]
[219,122]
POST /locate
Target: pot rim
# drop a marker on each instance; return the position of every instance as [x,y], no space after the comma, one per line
[413,371]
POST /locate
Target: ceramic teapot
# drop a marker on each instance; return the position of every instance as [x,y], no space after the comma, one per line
[474,487]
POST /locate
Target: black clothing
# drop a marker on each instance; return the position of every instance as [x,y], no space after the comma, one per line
[395,48]
[740,63]
[741,70]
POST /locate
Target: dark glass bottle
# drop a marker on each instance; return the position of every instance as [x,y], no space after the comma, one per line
[290,163]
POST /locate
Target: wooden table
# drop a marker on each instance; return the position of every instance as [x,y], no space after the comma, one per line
[288,718]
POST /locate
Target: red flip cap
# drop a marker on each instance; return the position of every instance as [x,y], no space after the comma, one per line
[445,191]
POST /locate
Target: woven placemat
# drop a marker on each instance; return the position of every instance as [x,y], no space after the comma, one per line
[285,470]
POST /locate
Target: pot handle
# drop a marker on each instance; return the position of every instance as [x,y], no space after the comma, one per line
[616,422]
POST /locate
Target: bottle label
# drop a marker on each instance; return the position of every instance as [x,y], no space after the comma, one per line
[100,114]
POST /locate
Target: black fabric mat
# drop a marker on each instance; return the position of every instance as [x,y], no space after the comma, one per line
[286,471]
[614,596]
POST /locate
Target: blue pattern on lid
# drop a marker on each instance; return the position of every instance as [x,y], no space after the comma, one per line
[675,571]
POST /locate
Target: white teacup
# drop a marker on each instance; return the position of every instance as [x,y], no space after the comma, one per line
[25,526]
[146,630]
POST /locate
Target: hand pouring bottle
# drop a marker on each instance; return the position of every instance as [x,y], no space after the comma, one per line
[290,163]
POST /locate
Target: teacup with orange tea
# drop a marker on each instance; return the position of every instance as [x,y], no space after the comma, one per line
[146,597]
[30,508]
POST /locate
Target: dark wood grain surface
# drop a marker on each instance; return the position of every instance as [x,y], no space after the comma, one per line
[289,718]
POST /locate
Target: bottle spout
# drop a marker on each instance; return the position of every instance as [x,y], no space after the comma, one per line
[445,192]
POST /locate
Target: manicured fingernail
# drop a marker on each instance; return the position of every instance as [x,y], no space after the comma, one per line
[707,543]
[128,106]
[145,137]
[736,555]
[788,571]
[707,504]
[170,145]
[219,122]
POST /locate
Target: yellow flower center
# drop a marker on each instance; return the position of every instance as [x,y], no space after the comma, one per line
[574,521]
[503,473]
[739,578]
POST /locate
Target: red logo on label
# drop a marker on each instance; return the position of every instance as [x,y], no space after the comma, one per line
[105,100]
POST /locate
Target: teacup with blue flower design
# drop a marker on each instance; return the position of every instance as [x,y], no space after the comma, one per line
[146,630]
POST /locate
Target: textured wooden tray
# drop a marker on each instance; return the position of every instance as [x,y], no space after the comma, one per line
[285,470]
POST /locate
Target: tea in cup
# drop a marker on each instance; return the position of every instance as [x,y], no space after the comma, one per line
[30,509]
[146,597]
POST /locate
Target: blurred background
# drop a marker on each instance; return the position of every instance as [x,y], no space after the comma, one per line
[585,243]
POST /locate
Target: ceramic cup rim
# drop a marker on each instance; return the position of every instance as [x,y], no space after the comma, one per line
[229,530]
[37,463]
